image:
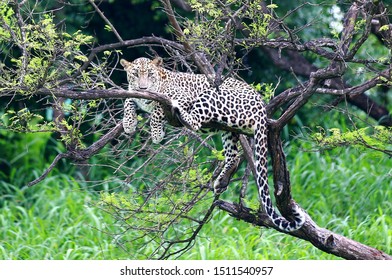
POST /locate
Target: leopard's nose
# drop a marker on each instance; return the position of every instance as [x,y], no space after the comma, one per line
[143,83]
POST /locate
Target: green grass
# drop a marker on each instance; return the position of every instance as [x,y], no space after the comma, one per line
[346,191]
[54,221]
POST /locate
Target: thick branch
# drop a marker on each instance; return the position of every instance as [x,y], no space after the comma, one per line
[121,94]
[321,238]
[309,89]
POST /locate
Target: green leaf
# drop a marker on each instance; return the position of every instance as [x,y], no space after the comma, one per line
[218,154]
[108,28]
[272,6]
[81,58]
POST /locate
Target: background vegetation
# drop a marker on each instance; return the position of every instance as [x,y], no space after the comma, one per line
[346,191]
[343,185]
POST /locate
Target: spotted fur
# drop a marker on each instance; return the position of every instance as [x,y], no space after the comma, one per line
[197,102]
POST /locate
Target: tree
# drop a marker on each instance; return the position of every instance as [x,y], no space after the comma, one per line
[72,76]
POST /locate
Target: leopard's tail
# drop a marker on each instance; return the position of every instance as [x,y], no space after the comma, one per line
[262,184]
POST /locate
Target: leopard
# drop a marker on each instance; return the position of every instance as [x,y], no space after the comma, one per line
[196,102]
[146,74]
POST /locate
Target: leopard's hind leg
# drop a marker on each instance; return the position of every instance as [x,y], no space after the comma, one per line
[230,141]
[201,112]
[194,116]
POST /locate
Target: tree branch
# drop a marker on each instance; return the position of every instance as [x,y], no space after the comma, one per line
[355,94]
[127,43]
[81,154]
[321,238]
[382,19]
[294,62]
[48,170]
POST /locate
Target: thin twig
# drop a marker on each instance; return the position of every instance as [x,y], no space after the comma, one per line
[106,20]
[49,169]
[22,45]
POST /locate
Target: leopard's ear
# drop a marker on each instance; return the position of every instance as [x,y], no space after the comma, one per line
[158,61]
[125,63]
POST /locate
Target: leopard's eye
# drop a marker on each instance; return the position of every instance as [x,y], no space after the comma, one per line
[134,72]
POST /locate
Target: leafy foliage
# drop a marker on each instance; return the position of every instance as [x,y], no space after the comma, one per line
[379,138]
[234,28]
[39,53]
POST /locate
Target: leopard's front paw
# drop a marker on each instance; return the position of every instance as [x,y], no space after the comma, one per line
[129,126]
[157,134]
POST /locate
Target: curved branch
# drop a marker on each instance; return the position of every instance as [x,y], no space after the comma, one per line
[127,43]
[321,238]
[48,170]
[122,94]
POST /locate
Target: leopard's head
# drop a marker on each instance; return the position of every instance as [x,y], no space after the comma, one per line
[143,73]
